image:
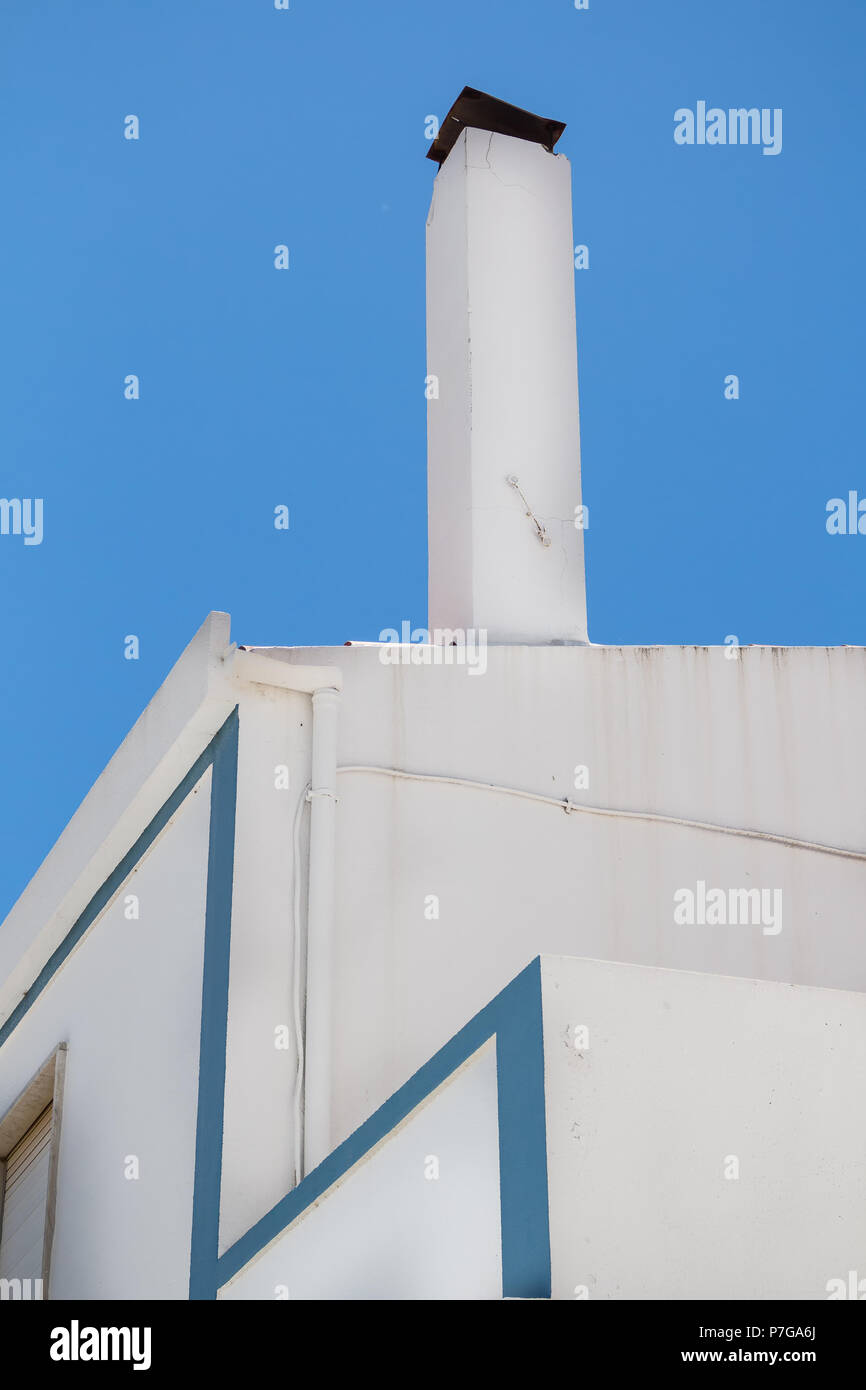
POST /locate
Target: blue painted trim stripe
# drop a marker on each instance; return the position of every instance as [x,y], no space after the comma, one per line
[204,1246]
[103,895]
[514,1018]
[523,1193]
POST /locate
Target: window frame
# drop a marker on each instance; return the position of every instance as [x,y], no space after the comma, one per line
[44,1088]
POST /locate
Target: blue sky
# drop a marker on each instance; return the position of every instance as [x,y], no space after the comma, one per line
[258,387]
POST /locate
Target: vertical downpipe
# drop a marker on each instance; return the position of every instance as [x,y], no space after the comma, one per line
[320,930]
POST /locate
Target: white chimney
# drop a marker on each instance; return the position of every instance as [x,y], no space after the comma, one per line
[502,380]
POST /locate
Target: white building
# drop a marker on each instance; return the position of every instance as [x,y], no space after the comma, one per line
[531,968]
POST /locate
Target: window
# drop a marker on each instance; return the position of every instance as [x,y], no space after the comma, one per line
[29,1141]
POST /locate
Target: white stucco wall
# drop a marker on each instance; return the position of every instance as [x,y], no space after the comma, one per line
[128,1003]
[767,741]
[387,1230]
[683,1073]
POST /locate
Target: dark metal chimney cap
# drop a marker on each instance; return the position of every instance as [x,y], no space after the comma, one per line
[474,108]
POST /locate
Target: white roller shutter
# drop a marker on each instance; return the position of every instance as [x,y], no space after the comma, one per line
[22,1229]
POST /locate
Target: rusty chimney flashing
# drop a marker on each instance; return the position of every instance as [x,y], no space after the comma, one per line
[484,112]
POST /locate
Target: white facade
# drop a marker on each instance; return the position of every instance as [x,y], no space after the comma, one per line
[420,1218]
[683,734]
[127,1003]
[700,1143]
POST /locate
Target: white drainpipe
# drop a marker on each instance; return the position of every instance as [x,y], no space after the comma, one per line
[320,929]
[323,683]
